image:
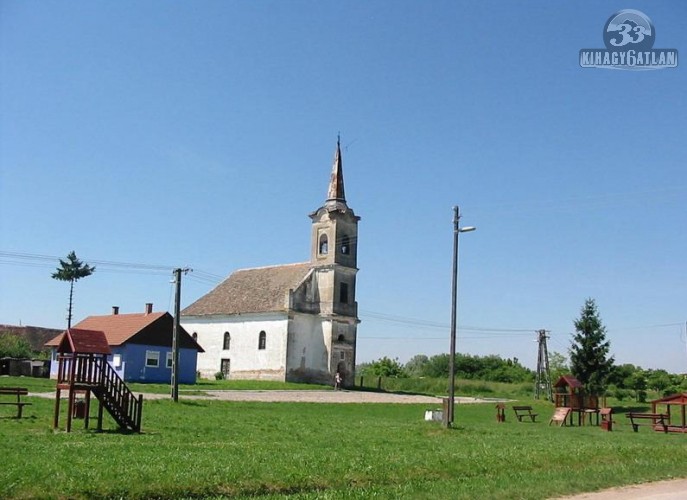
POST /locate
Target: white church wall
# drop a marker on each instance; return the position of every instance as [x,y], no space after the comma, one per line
[309,349]
[246,360]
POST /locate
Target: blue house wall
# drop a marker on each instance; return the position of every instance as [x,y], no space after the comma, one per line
[135,369]
[132,366]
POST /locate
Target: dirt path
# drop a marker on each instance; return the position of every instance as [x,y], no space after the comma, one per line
[662,490]
[318,397]
[305,397]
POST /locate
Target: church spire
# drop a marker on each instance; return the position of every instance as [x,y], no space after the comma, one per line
[336,182]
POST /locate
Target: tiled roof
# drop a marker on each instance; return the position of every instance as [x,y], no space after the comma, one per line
[568,380]
[118,328]
[77,340]
[263,289]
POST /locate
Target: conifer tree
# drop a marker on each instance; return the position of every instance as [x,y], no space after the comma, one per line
[589,360]
[72,270]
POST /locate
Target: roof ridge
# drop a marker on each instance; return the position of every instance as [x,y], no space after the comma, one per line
[123,314]
[272,266]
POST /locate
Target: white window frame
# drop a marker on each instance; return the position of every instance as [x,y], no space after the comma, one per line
[168,359]
[152,356]
[117,361]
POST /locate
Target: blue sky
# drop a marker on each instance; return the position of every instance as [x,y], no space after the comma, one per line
[201,134]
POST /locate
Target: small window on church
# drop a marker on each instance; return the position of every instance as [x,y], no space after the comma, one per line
[262,341]
[324,247]
[227,341]
[345,245]
[195,336]
[343,293]
[341,337]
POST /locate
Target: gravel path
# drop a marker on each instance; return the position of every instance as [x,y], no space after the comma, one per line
[318,397]
[661,490]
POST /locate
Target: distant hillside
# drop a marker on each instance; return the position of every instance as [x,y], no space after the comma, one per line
[35,335]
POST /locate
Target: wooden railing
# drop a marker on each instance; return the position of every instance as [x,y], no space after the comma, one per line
[93,372]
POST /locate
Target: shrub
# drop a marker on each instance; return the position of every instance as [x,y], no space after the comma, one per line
[219,376]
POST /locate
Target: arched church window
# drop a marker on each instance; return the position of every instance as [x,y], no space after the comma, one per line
[341,337]
[262,340]
[195,336]
[345,245]
[227,341]
[324,247]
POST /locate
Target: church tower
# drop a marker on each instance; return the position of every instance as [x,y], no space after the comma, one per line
[334,257]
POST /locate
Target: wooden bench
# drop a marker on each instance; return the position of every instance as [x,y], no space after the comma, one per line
[524,411]
[656,420]
[18,392]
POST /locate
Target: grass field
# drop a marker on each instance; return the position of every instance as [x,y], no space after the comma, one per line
[217,449]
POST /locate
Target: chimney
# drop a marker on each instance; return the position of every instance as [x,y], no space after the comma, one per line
[149,307]
[115,310]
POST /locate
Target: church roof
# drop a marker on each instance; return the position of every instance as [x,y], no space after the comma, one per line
[262,289]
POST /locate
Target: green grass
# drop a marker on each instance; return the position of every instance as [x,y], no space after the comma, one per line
[47,385]
[217,449]
[439,387]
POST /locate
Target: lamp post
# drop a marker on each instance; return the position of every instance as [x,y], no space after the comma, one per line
[454,296]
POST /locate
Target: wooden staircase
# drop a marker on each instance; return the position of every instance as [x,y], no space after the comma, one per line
[91,373]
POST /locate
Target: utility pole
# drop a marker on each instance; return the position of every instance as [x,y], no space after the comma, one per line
[448,418]
[543,381]
[175,333]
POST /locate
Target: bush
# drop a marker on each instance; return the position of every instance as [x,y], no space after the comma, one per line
[14,346]
[219,376]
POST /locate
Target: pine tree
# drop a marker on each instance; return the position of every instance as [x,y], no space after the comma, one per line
[72,270]
[589,361]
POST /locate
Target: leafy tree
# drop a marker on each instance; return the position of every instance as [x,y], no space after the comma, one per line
[658,380]
[438,366]
[589,361]
[385,367]
[14,346]
[417,366]
[72,270]
[622,375]
[558,365]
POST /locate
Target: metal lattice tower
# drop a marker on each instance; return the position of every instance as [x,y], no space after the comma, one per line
[542,384]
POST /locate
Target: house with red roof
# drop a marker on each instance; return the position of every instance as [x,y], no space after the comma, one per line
[140,346]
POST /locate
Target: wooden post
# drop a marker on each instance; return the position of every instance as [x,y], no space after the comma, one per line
[87,409]
[56,418]
[100,415]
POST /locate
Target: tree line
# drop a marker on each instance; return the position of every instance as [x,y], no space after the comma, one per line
[589,361]
[493,368]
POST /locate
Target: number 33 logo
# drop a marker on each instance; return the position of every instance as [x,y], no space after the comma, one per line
[630,34]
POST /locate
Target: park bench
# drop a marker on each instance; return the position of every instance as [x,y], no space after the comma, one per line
[655,418]
[18,392]
[524,411]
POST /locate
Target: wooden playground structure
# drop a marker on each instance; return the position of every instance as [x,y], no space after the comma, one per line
[570,400]
[83,370]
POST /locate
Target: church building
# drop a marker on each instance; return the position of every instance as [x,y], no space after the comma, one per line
[293,322]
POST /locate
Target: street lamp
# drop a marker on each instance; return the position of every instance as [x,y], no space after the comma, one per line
[454,296]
